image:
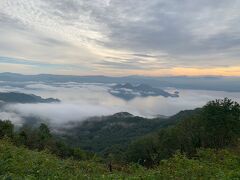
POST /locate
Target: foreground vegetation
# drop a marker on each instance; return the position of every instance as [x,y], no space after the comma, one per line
[215,126]
[204,145]
[21,163]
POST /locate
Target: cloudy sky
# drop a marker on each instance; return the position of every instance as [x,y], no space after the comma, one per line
[120,37]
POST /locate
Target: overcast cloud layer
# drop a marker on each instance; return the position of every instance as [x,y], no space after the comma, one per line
[116,37]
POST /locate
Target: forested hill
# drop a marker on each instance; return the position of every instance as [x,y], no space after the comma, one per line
[108,133]
[16,97]
[215,126]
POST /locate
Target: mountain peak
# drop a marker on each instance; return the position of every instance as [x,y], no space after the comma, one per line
[122,115]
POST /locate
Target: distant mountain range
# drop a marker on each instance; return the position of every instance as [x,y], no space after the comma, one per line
[15,97]
[128,91]
[217,83]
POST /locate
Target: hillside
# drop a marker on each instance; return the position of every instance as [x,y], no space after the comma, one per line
[103,134]
[21,163]
[16,97]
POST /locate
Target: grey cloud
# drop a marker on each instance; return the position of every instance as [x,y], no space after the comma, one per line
[165,26]
[120,65]
[49,41]
[7,22]
[175,33]
[135,62]
[144,55]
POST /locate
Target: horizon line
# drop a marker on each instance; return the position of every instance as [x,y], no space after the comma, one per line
[136,75]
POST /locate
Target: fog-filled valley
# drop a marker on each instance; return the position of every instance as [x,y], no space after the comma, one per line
[99,116]
[79,101]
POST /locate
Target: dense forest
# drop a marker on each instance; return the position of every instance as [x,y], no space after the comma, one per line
[106,133]
[199,144]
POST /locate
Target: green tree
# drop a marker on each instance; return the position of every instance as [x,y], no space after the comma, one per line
[79,154]
[216,125]
[6,129]
[27,136]
[44,136]
[221,121]
[144,151]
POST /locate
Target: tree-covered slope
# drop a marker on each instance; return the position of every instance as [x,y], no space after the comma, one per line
[216,126]
[102,134]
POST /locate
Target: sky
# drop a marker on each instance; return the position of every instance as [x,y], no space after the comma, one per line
[120,37]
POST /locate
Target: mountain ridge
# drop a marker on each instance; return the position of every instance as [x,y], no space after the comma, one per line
[17,97]
[128,91]
[217,83]
[102,133]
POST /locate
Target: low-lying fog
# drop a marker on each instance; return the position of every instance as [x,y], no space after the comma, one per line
[79,101]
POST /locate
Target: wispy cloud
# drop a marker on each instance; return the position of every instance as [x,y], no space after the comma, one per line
[157,34]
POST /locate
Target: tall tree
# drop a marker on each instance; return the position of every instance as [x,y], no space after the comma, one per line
[6,129]
[44,136]
[221,120]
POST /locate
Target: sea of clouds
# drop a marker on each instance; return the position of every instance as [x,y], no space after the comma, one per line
[80,101]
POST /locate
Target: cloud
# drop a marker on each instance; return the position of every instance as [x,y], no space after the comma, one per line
[81,101]
[58,114]
[158,34]
[13,117]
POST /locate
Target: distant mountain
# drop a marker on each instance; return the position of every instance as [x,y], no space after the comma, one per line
[16,97]
[128,91]
[217,83]
[100,134]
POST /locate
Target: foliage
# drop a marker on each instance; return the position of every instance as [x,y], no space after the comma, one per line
[41,139]
[114,133]
[221,119]
[6,129]
[216,126]
[21,163]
